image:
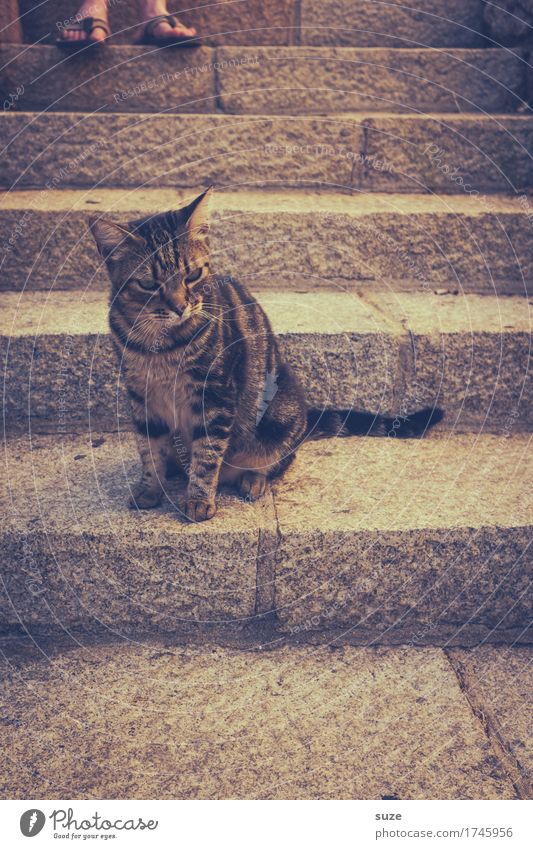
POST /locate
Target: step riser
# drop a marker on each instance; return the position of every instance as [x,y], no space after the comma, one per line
[50,589]
[419,580]
[266,80]
[395,362]
[368,554]
[392,24]
[311,80]
[166,584]
[368,153]
[70,382]
[480,253]
[276,22]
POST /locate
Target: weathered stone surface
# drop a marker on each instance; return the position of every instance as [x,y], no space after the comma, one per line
[510,21]
[343,79]
[367,23]
[124,79]
[386,532]
[295,723]
[321,238]
[344,351]
[139,79]
[224,22]
[467,154]
[469,355]
[388,353]
[10,23]
[73,554]
[60,370]
[463,154]
[499,683]
[65,151]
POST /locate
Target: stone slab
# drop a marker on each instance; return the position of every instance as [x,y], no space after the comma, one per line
[73,554]
[391,353]
[469,354]
[60,370]
[464,154]
[10,22]
[320,238]
[499,683]
[461,154]
[295,723]
[386,533]
[63,150]
[125,79]
[225,22]
[299,80]
[371,23]
[342,79]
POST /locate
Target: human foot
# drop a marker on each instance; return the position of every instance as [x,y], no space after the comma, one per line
[162,31]
[76,30]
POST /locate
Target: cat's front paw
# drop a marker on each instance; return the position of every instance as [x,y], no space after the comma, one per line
[197,510]
[143,498]
[252,485]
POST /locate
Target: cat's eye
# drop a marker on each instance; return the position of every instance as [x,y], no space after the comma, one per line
[146,284]
[194,276]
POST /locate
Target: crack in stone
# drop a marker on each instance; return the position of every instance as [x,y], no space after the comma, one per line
[268,545]
[499,746]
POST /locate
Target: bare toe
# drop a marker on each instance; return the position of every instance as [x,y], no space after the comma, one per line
[98,34]
[165,30]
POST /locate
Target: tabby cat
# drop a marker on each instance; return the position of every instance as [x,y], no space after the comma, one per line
[209,390]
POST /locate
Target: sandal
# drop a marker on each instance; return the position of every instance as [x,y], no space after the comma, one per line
[149,37]
[87,25]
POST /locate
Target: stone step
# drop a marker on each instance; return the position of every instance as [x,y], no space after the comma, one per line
[297,80]
[368,23]
[393,352]
[428,536]
[465,154]
[267,80]
[328,723]
[392,23]
[472,244]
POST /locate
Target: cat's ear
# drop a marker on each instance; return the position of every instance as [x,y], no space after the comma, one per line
[113,240]
[198,214]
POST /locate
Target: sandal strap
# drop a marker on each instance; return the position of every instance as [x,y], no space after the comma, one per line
[151,25]
[87,25]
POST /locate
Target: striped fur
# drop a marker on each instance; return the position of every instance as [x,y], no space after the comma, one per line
[210,394]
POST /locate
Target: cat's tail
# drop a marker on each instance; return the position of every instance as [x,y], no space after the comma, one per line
[323,423]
